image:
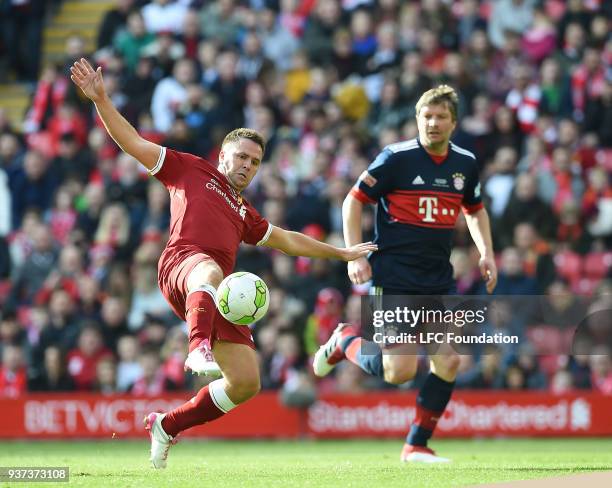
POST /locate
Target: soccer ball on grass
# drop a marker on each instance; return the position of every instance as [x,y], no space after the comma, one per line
[243,298]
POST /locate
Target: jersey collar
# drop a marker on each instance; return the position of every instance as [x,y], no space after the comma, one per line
[436,159]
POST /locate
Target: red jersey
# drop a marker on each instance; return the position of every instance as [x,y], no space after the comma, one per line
[207,215]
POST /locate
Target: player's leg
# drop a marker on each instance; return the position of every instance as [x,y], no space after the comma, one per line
[394,365]
[432,400]
[201,283]
[240,382]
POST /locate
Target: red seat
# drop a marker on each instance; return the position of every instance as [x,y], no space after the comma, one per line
[568,265]
[585,286]
[597,264]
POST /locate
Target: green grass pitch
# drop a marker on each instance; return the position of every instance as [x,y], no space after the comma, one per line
[360,463]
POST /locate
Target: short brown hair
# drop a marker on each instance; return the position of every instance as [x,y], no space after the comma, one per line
[242,133]
[439,95]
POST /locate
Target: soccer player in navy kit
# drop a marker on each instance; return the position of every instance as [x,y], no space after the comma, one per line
[419,187]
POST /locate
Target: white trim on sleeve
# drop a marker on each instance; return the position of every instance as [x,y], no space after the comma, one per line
[160,162]
[266,235]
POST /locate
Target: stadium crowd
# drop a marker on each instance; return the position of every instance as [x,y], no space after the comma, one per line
[329,83]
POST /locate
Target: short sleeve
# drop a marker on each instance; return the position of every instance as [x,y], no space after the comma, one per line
[257,229]
[171,167]
[472,200]
[374,182]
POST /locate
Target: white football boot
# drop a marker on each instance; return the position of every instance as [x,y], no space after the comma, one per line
[330,353]
[160,441]
[420,454]
[201,361]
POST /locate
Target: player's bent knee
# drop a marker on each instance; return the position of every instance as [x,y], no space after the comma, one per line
[205,272]
[242,389]
[398,375]
[446,366]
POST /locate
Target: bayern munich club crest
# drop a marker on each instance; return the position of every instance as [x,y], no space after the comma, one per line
[458,181]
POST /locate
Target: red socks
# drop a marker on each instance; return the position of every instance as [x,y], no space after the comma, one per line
[200,311]
[210,403]
[427,419]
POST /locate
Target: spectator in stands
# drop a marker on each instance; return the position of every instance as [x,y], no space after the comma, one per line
[114,227]
[90,212]
[31,275]
[597,115]
[53,376]
[130,42]
[319,30]
[113,20]
[220,20]
[32,186]
[153,380]
[229,88]
[73,161]
[128,367]
[13,375]
[498,187]
[514,15]
[486,374]
[147,299]
[164,16]
[536,254]
[170,93]
[525,206]
[106,376]
[512,279]
[279,44]
[83,360]
[469,21]
[588,80]
[90,298]
[114,321]
[173,353]
[252,64]
[555,98]
[562,182]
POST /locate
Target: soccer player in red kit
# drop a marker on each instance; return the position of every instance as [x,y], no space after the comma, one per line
[209,219]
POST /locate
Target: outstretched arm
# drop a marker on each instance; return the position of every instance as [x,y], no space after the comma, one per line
[297,244]
[480,229]
[126,137]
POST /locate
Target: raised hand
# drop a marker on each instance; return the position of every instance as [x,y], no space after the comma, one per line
[358,251]
[88,80]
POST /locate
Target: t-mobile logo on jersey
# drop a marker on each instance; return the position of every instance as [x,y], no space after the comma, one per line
[429,207]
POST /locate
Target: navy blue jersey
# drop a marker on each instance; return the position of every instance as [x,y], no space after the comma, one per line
[418,202]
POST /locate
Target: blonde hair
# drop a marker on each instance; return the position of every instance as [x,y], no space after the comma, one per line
[442,94]
[242,133]
[114,226]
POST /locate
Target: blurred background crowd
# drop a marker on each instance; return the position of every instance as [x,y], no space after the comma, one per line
[328,83]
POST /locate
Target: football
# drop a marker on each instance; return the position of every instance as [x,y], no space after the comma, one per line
[243,298]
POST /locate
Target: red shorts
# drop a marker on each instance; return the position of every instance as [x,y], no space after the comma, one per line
[173,285]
